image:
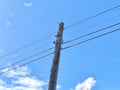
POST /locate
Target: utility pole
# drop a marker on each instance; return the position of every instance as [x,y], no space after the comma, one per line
[56,59]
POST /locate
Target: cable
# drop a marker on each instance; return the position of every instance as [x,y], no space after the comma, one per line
[18,49]
[91,17]
[63,49]
[109,19]
[91,33]
[90,39]
[26,58]
[27,63]
[27,45]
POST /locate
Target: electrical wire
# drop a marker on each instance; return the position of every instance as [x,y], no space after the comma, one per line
[92,33]
[26,58]
[63,49]
[109,19]
[91,17]
[90,39]
[27,45]
[30,44]
[26,63]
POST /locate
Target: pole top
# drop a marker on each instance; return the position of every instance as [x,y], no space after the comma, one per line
[61,24]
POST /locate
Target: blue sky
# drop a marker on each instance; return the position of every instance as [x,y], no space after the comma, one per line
[93,65]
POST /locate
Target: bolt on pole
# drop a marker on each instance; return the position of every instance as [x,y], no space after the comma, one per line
[56,59]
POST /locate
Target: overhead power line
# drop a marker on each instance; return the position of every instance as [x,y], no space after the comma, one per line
[92,33]
[26,58]
[27,45]
[63,49]
[4,72]
[91,17]
[30,44]
[90,39]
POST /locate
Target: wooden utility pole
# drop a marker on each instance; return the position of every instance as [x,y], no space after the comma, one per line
[56,59]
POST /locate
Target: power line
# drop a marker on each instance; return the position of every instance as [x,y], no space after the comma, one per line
[26,58]
[90,39]
[30,44]
[64,42]
[91,17]
[27,45]
[63,49]
[92,33]
[27,63]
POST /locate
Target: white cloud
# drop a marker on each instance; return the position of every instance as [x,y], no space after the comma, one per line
[28,4]
[29,82]
[8,24]
[23,71]
[2,82]
[59,87]
[88,84]
[21,80]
